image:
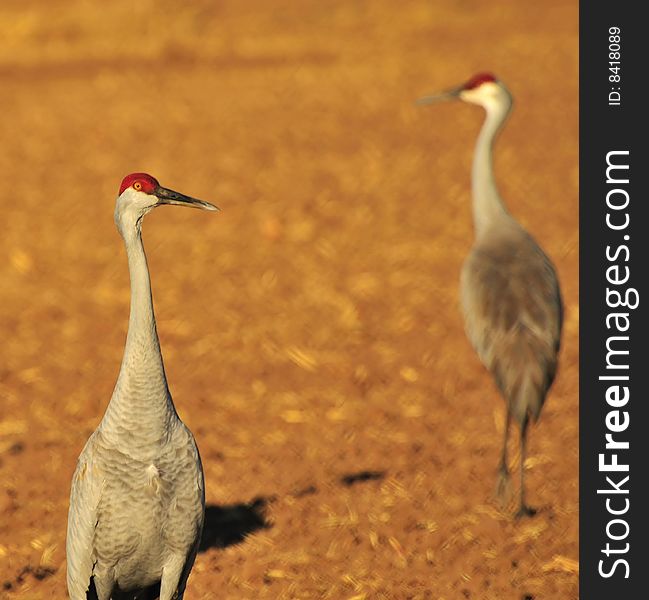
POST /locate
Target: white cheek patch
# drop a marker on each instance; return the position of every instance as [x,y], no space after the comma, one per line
[485,93]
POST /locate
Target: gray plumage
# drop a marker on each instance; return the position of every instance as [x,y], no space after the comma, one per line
[509,289]
[137,501]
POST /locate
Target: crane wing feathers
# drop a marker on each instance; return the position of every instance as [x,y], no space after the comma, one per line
[513,316]
[87,485]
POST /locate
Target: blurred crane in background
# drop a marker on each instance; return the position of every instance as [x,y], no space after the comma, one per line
[509,289]
[138,501]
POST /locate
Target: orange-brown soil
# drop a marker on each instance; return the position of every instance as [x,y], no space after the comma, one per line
[311,330]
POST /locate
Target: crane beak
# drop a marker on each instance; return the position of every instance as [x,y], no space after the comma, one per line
[453,94]
[166,196]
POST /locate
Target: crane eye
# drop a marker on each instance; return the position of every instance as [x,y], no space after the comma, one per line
[137,186]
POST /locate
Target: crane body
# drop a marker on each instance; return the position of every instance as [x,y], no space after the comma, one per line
[510,296]
[138,497]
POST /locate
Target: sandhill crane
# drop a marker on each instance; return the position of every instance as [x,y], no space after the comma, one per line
[509,289]
[137,502]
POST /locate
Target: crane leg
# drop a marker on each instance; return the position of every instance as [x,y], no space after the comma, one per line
[524,510]
[503,485]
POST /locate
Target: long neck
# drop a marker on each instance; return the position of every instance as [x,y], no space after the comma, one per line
[488,206]
[141,402]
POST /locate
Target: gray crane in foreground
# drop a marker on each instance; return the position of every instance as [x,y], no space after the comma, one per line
[138,501]
[509,289]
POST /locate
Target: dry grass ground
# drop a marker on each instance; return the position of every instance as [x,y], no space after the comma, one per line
[311,331]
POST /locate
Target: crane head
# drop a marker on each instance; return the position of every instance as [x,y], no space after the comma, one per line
[143,192]
[140,193]
[482,89]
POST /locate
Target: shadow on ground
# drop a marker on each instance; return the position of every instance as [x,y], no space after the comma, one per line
[361,477]
[231,524]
